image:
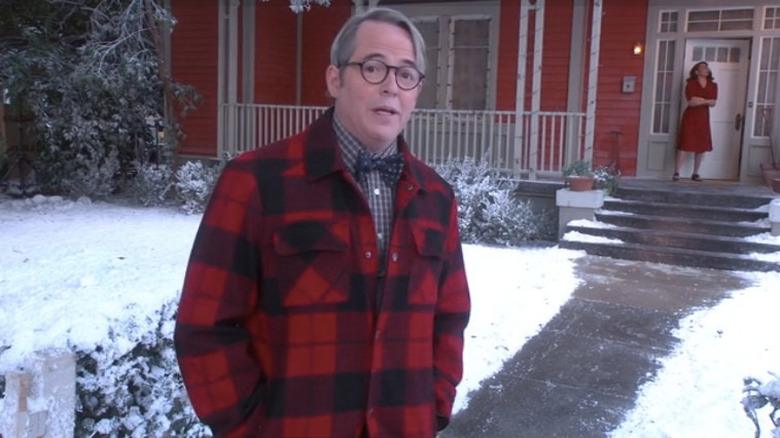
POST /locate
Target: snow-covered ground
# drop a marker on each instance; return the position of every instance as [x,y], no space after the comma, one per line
[70,270]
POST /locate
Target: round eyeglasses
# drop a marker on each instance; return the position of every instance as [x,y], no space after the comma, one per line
[375,72]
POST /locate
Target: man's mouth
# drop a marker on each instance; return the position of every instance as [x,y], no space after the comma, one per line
[385,111]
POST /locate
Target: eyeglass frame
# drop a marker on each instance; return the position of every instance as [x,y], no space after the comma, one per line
[388,67]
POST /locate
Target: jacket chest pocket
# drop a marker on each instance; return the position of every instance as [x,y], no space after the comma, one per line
[426,268]
[313,262]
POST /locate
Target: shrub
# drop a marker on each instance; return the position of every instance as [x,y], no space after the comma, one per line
[194,184]
[151,184]
[136,394]
[488,212]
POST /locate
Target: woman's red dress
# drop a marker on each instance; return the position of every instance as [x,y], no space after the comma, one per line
[695,134]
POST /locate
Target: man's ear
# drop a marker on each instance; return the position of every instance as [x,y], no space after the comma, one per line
[333,80]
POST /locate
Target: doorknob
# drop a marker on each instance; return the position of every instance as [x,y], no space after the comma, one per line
[738,122]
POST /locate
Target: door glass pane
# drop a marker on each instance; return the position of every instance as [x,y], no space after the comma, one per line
[734,55]
[709,54]
[723,54]
[698,54]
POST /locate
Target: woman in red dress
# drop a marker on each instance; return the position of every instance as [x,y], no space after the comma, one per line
[695,135]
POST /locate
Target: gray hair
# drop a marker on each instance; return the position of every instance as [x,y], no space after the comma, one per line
[344,44]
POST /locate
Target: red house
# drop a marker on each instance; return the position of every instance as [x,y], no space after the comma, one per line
[528,86]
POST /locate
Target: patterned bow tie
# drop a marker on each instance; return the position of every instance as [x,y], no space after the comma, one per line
[389,167]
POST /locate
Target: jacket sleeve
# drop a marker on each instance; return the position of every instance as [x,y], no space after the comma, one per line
[223,379]
[452,315]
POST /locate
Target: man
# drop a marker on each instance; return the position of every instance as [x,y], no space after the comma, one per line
[326,297]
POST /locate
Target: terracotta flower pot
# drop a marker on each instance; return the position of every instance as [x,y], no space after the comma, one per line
[579,183]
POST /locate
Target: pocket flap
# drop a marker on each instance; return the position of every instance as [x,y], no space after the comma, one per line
[429,241]
[307,236]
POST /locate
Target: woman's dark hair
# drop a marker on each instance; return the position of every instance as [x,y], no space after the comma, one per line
[692,74]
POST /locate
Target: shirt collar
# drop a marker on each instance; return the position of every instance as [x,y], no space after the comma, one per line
[351,146]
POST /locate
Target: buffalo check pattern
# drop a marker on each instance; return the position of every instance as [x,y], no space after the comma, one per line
[281,329]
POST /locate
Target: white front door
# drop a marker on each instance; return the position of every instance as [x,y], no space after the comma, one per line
[728,61]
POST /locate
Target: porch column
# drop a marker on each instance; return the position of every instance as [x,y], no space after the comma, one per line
[579,37]
[536,85]
[593,75]
[227,72]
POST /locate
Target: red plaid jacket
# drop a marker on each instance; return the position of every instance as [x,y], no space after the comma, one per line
[279,332]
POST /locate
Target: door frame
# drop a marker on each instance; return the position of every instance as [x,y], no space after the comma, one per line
[741,84]
[656,148]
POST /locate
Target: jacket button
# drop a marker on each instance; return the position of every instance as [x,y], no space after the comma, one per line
[368,254]
[394,256]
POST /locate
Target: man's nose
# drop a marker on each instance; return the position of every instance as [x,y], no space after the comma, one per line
[390,84]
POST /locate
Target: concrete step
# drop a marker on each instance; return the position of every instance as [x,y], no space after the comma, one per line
[672,239]
[683,225]
[697,195]
[693,211]
[673,256]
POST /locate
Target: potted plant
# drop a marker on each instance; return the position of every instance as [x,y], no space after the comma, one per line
[578,176]
[606,178]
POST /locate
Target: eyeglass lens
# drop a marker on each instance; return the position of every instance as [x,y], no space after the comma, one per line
[375,72]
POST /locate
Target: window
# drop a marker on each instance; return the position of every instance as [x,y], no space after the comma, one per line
[768,77]
[772,18]
[461,40]
[459,66]
[663,87]
[470,68]
[668,22]
[720,20]
[429,28]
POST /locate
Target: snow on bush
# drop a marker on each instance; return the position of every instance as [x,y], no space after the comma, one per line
[194,184]
[138,393]
[151,184]
[488,212]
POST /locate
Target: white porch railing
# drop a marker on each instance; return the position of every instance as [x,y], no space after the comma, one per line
[545,142]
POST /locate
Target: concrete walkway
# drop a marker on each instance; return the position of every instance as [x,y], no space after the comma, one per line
[579,376]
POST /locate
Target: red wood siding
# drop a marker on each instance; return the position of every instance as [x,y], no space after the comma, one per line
[506,76]
[555,57]
[320,26]
[276,38]
[623,23]
[194,62]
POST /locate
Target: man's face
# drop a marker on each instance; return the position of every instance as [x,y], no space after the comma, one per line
[374,113]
